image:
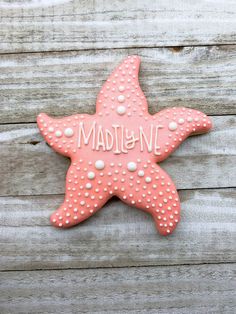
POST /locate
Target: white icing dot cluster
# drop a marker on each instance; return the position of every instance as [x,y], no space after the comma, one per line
[89,185]
[177,124]
[123,92]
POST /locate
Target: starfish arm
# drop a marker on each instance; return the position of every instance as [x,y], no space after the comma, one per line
[122,88]
[155,193]
[175,125]
[83,197]
[60,134]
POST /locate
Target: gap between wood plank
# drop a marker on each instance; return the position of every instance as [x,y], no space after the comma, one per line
[116,267]
[115,197]
[178,49]
[34,122]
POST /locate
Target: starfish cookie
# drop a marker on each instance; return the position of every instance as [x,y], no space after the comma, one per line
[116,151]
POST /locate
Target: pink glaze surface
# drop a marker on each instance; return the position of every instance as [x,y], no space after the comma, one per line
[116,150]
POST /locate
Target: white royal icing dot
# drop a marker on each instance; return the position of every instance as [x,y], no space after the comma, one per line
[189,119]
[131,166]
[58,133]
[181,121]
[121,88]
[121,110]
[148,179]
[91,175]
[141,173]
[50,129]
[172,126]
[68,132]
[88,186]
[99,164]
[121,98]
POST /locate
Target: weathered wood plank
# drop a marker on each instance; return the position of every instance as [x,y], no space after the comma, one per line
[29,167]
[180,289]
[117,235]
[69,25]
[203,78]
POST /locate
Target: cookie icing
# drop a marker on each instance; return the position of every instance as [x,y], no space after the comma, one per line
[116,151]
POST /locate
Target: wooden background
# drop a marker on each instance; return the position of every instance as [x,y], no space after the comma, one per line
[54,57]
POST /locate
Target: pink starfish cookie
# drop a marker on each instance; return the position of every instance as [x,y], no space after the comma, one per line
[116,150]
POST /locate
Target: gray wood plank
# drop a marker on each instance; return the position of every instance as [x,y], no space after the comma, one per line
[64,83]
[179,289]
[29,167]
[59,25]
[117,235]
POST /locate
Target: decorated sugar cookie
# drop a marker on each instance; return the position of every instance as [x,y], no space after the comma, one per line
[116,151]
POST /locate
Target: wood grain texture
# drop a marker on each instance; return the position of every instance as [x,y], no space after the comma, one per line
[54,57]
[117,235]
[204,289]
[203,78]
[72,25]
[30,167]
